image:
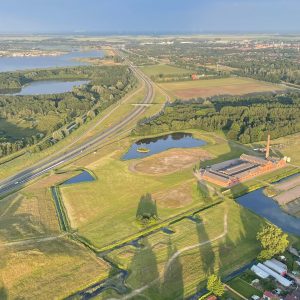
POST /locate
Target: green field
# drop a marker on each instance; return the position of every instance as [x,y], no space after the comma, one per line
[156,70]
[176,265]
[89,211]
[244,288]
[36,260]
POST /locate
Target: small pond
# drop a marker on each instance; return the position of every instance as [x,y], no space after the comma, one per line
[162,143]
[84,176]
[266,207]
[48,87]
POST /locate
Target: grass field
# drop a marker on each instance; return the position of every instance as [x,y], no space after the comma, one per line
[54,268]
[30,213]
[244,288]
[112,199]
[176,265]
[212,87]
[288,146]
[156,70]
[35,259]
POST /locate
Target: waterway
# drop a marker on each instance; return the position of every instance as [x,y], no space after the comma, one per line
[9,64]
[162,143]
[48,87]
[266,207]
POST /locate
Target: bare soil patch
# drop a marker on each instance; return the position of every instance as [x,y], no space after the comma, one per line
[288,184]
[170,161]
[176,197]
[288,196]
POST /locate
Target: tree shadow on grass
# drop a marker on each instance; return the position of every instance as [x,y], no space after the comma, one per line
[16,225]
[206,252]
[3,293]
[172,286]
[144,272]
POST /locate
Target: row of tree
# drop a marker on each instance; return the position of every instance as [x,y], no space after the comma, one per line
[246,119]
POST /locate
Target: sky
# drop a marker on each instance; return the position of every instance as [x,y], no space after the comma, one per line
[149,16]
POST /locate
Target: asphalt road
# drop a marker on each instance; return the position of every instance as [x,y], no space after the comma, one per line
[17,181]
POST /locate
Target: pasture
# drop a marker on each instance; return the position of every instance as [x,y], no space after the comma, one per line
[174,266]
[156,70]
[213,87]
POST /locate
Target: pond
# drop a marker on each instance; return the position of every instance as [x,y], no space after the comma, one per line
[266,207]
[34,62]
[162,143]
[84,176]
[48,87]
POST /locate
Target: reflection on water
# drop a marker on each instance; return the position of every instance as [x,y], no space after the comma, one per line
[266,207]
[84,176]
[162,143]
[47,87]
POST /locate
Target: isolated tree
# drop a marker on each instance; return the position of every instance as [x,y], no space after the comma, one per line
[273,241]
[234,131]
[215,285]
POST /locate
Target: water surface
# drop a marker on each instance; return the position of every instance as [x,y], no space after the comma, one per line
[35,62]
[84,176]
[162,143]
[48,87]
[266,207]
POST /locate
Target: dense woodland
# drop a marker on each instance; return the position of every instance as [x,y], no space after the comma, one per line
[69,110]
[245,119]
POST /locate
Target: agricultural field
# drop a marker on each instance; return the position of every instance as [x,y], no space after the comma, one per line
[36,259]
[173,266]
[156,70]
[244,288]
[288,146]
[214,87]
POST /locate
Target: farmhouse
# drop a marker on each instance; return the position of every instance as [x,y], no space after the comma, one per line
[231,172]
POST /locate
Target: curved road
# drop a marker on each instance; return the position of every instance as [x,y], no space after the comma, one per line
[17,181]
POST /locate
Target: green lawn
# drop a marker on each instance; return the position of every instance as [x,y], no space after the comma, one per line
[244,288]
[155,70]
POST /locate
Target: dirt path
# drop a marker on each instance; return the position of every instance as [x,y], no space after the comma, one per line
[30,241]
[174,256]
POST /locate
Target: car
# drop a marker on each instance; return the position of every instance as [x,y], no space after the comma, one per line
[278,291]
[255,297]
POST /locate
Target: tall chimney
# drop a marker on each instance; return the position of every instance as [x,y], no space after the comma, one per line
[268,146]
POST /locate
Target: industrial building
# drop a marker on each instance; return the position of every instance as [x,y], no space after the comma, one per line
[275,267]
[282,280]
[232,172]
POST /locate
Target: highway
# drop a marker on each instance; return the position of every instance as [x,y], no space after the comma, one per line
[17,181]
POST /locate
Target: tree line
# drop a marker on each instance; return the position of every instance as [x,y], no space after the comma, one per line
[246,119]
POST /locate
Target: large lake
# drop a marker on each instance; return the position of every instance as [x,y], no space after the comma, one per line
[48,87]
[34,62]
[266,207]
[162,143]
